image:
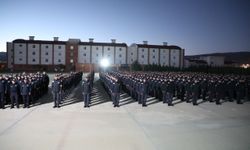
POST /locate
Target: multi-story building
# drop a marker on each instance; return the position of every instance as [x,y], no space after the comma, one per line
[77,55]
[164,55]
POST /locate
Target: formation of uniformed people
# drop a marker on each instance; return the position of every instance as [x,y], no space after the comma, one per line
[186,86]
[26,88]
[87,86]
[112,87]
[62,83]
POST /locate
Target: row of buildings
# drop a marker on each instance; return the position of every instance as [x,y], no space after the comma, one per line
[75,54]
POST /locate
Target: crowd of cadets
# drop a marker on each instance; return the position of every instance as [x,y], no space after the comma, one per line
[87,86]
[22,88]
[186,86]
[61,84]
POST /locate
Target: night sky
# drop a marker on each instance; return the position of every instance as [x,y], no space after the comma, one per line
[199,26]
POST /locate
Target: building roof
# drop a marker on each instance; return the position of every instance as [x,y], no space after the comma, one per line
[103,44]
[158,46]
[70,41]
[38,41]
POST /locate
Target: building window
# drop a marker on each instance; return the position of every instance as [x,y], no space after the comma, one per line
[33,60]
[96,55]
[46,60]
[20,52]
[71,60]
[20,45]
[120,55]
[142,56]
[84,48]
[96,48]
[132,60]
[34,46]
[153,56]
[33,53]
[20,59]
[120,49]
[59,60]
[84,54]
[71,47]
[46,53]
[174,64]
[108,55]
[131,53]
[153,50]
[108,49]
[164,57]
[174,57]
[71,54]
[59,47]
[142,50]
[164,51]
[59,54]
[47,46]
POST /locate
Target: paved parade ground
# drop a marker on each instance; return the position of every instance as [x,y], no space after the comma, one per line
[129,127]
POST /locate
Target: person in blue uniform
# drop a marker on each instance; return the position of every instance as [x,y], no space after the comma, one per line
[116,93]
[3,91]
[14,90]
[25,92]
[86,92]
[56,91]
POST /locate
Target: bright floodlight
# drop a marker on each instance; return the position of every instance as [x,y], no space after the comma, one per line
[104,63]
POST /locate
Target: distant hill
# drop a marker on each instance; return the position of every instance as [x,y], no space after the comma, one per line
[238,57]
[3,56]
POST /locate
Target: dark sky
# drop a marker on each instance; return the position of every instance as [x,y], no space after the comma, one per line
[199,26]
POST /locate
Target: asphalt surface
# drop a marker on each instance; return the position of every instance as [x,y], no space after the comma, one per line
[129,127]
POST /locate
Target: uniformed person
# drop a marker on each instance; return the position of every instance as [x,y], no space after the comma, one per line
[56,91]
[14,90]
[86,92]
[25,92]
[3,91]
[116,93]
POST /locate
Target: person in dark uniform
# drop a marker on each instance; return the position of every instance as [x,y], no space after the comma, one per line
[195,92]
[25,92]
[240,89]
[218,92]
[164,91]
[143,89]
[86,92]
[56,91]
[14,90]
[170,92]
[3,91]
[116,93]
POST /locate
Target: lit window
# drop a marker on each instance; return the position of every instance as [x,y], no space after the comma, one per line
[34,46]
[71,60]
